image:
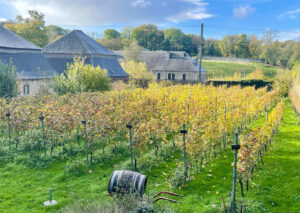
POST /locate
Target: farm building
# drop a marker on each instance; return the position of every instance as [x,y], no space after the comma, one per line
[170,65]
[76,43]
[32,66]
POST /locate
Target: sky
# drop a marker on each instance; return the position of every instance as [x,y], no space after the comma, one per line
[220,17]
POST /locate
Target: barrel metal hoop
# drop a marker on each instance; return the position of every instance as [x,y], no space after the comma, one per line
[140,183]
[134,181]
[112,180]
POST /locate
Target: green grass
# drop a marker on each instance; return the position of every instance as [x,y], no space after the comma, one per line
[226,69]
[275,187]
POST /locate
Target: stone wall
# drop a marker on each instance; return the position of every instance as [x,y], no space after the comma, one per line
[34,86]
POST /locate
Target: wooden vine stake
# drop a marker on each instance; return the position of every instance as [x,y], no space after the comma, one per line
[184,132]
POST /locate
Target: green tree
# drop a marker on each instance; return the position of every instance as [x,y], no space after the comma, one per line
[148,36]
[8,80]
[53,32]
[31,28]
[226,46]
[241,46]
[111,34]
[81,77]
[176,38]
[254,47]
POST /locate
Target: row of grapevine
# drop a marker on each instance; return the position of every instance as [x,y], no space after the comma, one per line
[156,114]
[256,142]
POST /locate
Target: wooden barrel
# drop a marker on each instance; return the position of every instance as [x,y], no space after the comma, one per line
[127,182]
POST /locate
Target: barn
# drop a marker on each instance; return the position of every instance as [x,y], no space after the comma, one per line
[170,65]
[32,67]
[77,43]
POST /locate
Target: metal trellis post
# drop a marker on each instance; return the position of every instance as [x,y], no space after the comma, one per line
[234,147]
[42,117]
[85,139]
[8,126]
[129,126]
[184,132]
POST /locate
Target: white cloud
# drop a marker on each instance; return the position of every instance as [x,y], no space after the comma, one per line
[140,3]
[122,12]
[289,35]
[197,12]
[290,14]
[3,19]
[243,11]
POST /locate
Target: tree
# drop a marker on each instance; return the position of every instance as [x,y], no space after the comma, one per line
[148,36]
[111,34]
[81,77]
[132,51]
[211,47]
[270,47]
[54,32]
[241,46]
[226,46]
[115,44]
[8,80]
[137,70]
[139,74]
[254,47]
[176,38]
[31,28]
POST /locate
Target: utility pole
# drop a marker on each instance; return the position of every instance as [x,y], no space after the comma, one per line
[200,54]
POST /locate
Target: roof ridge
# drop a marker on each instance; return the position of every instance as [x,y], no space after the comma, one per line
[83,44]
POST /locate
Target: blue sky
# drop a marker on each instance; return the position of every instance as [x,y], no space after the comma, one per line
[220,17]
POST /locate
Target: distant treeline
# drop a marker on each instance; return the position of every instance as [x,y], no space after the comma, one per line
[267,48]
[148,36]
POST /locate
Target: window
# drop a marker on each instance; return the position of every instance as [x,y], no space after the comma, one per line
[158,76]
[184,77]
[26,89]
[169,76]
[173,77]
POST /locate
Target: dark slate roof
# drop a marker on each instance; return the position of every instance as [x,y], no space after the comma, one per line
[28,58]
[76,42]
[30,65]
[9,39]
[111,64]
[167,61]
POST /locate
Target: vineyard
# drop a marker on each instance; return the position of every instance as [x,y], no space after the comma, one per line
[141,129]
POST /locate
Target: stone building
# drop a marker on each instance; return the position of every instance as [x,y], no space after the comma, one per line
[32,67]
[76,43]
[171,65]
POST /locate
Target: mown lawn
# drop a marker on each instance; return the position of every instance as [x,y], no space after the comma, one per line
[275,187]
[217,69]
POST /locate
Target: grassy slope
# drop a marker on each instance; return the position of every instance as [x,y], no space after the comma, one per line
[225,69]
[23,189]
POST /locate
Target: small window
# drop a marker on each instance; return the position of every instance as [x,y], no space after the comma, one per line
[169,76]
[184,77]
[158,76]
[173,77]
[26,89]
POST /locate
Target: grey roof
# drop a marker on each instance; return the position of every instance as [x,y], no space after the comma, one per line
[9,39]
[76,43]
[29,60]
[167,61]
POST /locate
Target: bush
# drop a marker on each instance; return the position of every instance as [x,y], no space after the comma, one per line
[81,77]
[8,80]
[77,168]
[178,178]
[283,81]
